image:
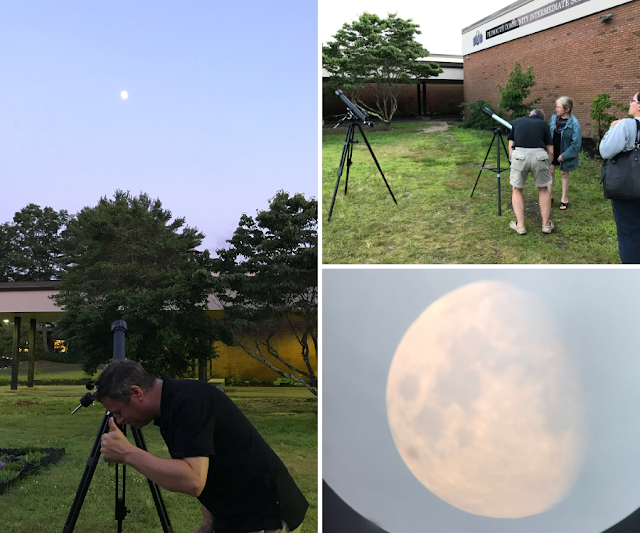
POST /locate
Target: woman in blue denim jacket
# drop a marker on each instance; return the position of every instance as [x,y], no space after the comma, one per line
[567,139]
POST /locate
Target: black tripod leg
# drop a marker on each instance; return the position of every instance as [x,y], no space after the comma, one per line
[92,462]
[120,507]
[345,148]
[482,167]
[376,161]
[499,172]
[155,490]
[349,156]
[506,152]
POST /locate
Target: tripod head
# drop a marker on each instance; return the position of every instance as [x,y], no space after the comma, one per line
[118,330]
[354,111]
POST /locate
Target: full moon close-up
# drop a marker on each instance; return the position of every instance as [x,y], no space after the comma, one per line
[485,410]
[481,400]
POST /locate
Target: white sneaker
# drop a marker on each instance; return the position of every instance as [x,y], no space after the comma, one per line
[522,230]
[549,228]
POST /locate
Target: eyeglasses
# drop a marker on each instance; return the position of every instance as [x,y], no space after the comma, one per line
[633,102]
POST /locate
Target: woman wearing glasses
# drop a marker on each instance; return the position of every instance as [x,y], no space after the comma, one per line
[621,137]
[567,139]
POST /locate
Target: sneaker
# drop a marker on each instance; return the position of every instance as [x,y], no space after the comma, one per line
[521,230]
[549,228]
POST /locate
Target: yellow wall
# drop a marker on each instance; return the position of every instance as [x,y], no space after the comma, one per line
[233,361]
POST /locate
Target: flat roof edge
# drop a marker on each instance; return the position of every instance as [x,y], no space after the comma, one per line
[29,285]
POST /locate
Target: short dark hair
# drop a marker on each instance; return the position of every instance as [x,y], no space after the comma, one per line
[538,113]
[117,378]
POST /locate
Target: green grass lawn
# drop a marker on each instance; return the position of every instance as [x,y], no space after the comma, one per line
[432,175]
[47,372]
[41,417]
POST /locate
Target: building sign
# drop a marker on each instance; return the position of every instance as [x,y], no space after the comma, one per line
[532,16]
[477,40]
[503,28]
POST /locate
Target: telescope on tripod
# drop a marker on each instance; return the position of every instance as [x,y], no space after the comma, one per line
[497,134]
[353,115]
[118,330]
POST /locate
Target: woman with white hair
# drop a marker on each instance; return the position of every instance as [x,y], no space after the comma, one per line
[567,139]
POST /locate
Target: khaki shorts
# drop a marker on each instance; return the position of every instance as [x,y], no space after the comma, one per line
[534,160]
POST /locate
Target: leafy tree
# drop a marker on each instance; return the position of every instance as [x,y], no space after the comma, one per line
[6,252]
[129,261]
[379,52]
[31,248]
[599,105]
[516,90]
[268,283]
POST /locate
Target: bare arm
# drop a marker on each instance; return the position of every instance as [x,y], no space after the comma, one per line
[510,148]
[187,475]
[550,151]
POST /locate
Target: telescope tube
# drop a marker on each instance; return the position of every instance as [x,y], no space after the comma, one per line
[118,329]
[354,108]
[488,111]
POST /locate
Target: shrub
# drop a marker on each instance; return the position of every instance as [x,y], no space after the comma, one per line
[517,88]
[599,105]
[476,119]
[287,382]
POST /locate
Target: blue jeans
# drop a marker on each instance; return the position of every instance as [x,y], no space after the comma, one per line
[627,216]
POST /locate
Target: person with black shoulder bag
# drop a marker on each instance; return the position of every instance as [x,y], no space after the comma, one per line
[620,148]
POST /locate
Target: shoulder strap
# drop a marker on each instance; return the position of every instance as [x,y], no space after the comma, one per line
[637,130]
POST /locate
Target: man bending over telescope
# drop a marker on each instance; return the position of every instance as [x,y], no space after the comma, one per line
[217,455]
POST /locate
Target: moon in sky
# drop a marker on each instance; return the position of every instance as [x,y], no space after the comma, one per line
[485,404]
[124,95]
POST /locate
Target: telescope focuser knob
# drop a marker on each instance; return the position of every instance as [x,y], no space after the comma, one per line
[85,401]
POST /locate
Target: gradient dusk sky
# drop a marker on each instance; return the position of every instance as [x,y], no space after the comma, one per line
[221,114]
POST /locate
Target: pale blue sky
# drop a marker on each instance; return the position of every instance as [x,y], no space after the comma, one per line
[221,114]
[441,23]
[365,315]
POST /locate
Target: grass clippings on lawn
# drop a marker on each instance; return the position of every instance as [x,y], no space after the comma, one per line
[432,172]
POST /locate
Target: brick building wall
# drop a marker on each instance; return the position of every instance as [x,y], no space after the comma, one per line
[579,59]
[441,98]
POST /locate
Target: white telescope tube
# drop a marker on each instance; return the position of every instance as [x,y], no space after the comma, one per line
[488,111]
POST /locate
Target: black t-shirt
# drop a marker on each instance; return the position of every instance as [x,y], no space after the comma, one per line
[248,487]
[530,132]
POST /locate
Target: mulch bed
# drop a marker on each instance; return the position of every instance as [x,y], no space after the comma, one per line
[589,146]
[51,456]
